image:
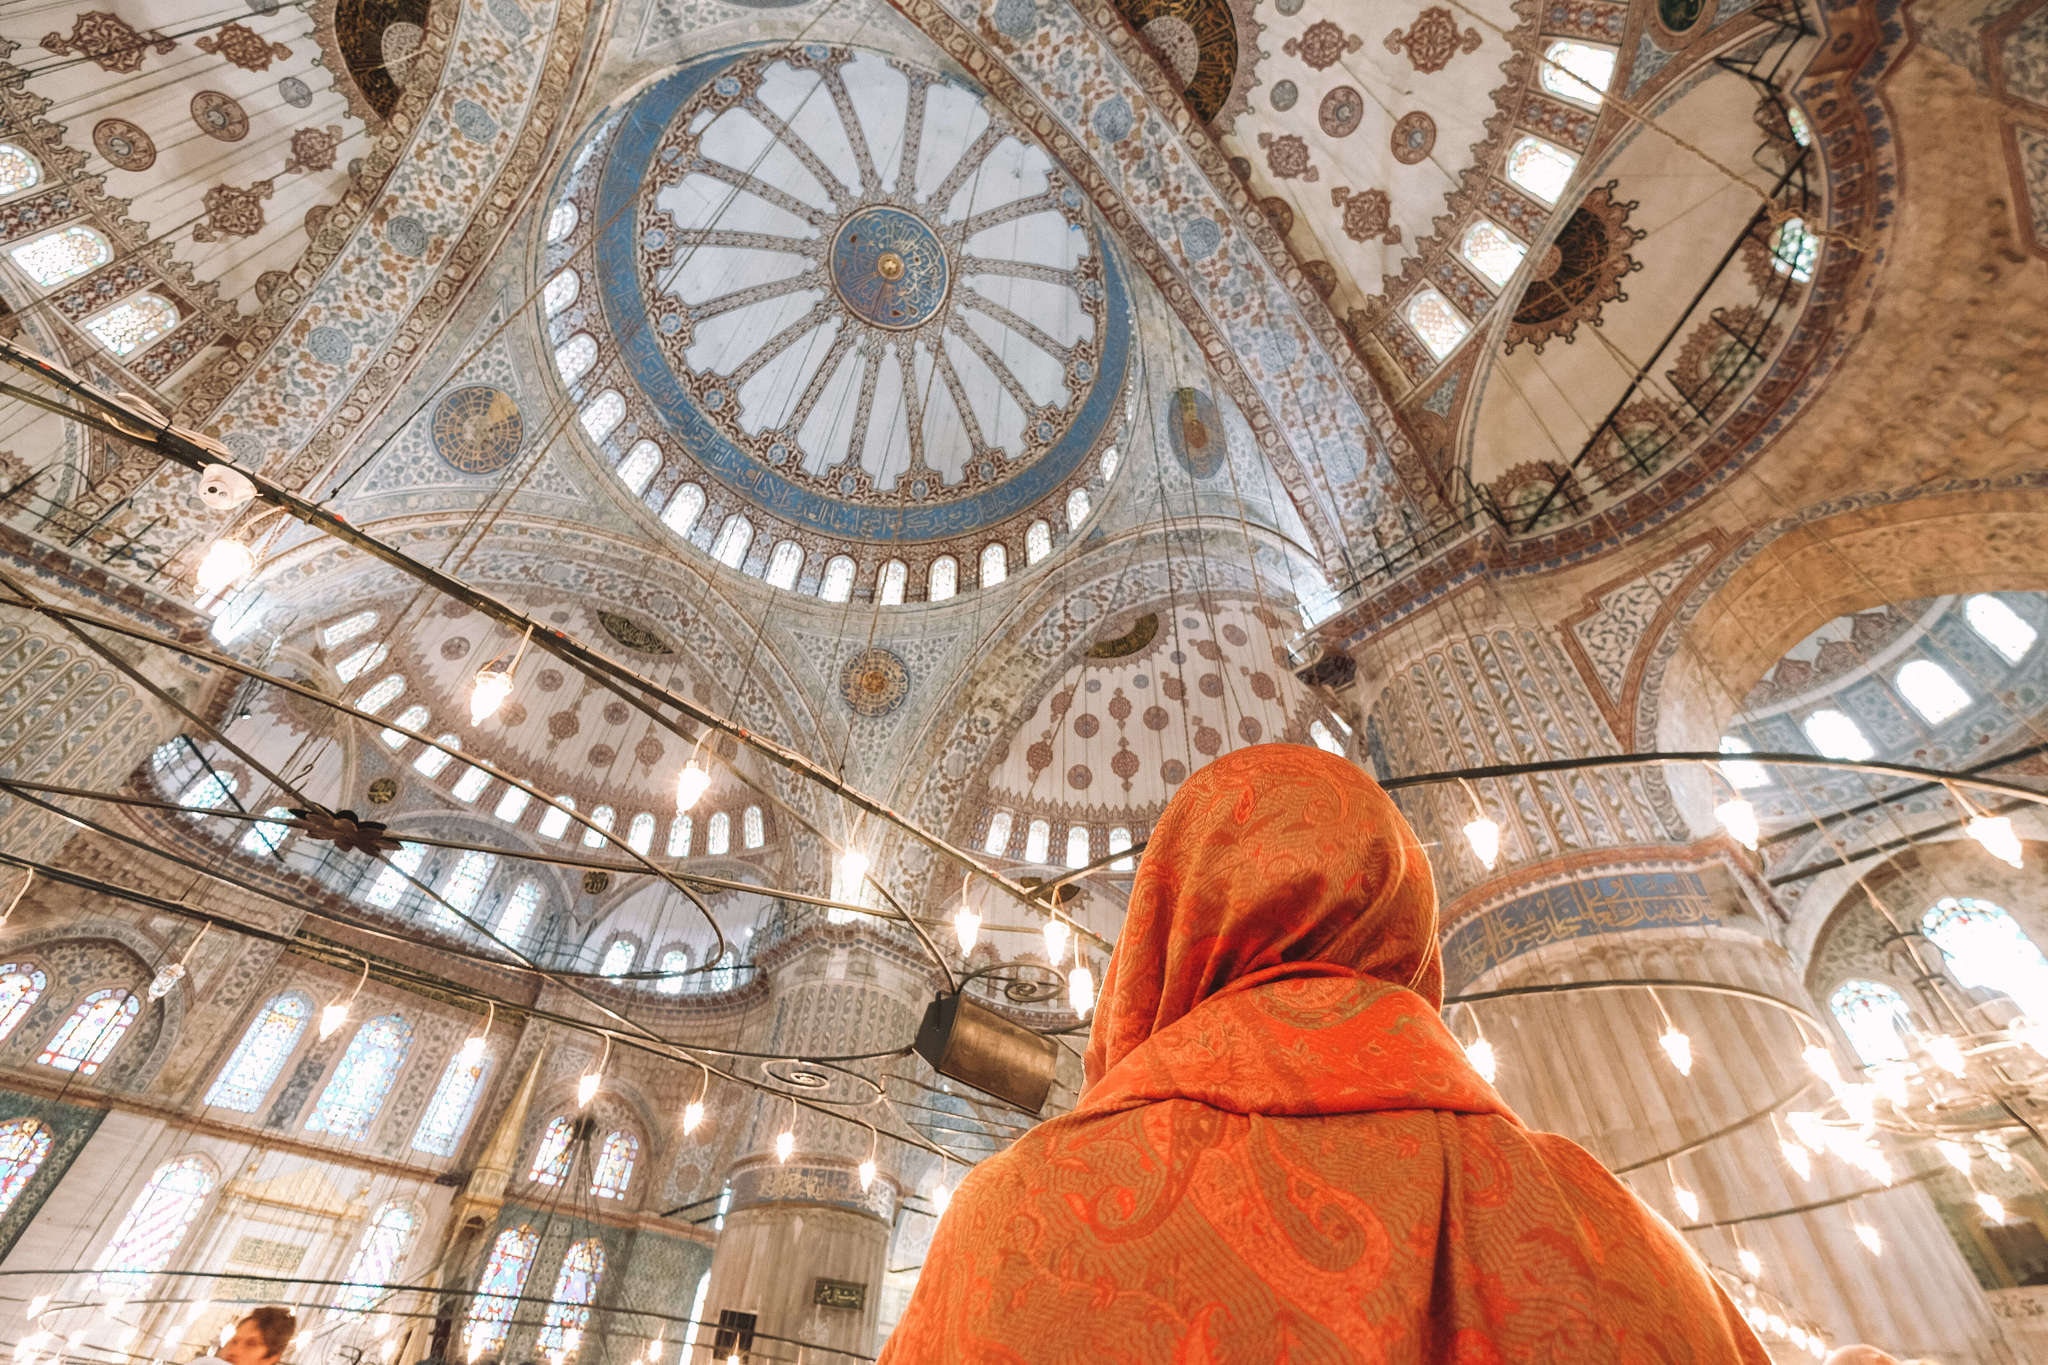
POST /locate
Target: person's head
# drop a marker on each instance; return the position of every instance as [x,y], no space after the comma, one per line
[1276,856]
[1860,1355]
[261,1337]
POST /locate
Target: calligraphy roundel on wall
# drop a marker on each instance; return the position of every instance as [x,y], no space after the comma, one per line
[1679,15]
[874,682]
[477,429]
[1195,431]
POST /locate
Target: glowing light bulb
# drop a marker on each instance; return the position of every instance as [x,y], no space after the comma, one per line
[1993,1206]
[1796,1157]
[472,1050]
[1954,1153]
[1822,1063]
[1947,1053]
[1808,1128]
[493,685]
[1995,833]
[332,1018]
[1777,1325]
[74,1341]
[1688,1202]
[1479,1052]
[693,1116]
[37,1305]
[1752,1264]
[1859,1102]
[586,1088]
[1484,836]
[942,1195]
[228,560]
[967,928]
[1678,1048]
[1868,1235]
[691,784]
[1891,1083]
[867,1174]
[1738,817]
[853,870]
[1056,936]
[2000,1157]
[785,1144]
[1081,990]
[166,980]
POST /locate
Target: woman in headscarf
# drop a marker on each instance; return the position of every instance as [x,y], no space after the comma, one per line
[1281,1153]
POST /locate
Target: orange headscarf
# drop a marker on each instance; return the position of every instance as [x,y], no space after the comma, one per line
[1281,1154]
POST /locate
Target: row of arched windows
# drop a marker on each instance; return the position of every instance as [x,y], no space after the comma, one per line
[610,1174]
[86,1037]
[1077,842]
[503,1282]
[1985,949]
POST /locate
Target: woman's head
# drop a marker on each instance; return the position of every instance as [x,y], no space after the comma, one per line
[1275,855]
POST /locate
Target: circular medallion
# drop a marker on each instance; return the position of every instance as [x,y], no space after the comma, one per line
[1195,431]
[1340,112]
[1414,136]
[124,145]
[596,883]
[477,429]
[874,682]
[219,116]
[889,267]
[383,790]
[1679,15]
[1283,95]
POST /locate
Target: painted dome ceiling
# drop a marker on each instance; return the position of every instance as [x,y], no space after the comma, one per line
[843,295]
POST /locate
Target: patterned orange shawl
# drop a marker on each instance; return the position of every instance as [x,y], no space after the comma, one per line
[1281,1153]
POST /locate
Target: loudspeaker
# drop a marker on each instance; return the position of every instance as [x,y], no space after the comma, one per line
[972,1044]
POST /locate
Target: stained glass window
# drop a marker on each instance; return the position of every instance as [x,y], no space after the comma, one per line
[517,916]
[602,414]
[471,784]
[347,628]
[1794,249]
[640,833]
[1876,1019]
[21,985]
[152,1229]
[62,255]
[895,578]
[1835,735]
[785,562]
[684,507]
[18,170]
[751,833]
[260,1056]
[600,825]
[363,1078]
[1037,541]
[1578,71]
[2000,626]
[1323,739]
[551,1158]
[1931,690]
[554,821]
[499,1288]
[561,221]
[995,564]
[448,1112]
[511,805]
[411,718]
[1109,463]
[362,661]
[574,357]
[267,835]
[679,836]
[998,841]
[734,537]
[674,963]
[432,761]
[1740,772]
[1488,249]
[618,957]
[24,1143]
[718,835]
[382,695]
[1077,846]
[561,1331]
[1077,509]
[1432,318]
[133,323]
[1987,950]
[83,1040]
[378,1258]
[1540,168]
[208,791]
[393,880]
[465,885]
[639,465]
[614,1170]
[560,291]
[1119,840]
[1037,841]
[837,583]
[942,580]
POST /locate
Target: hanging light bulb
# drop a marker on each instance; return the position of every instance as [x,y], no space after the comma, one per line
[1868,1235]
[1995,833]
[1752,1264]
[2000,1156]
[785,1145]
[1484,836]
[867,1174]
[1081,990]
[1678,1048]
[1796,1157]
[472,1050]
[853,870]
[166,980]
[1954,1153]
[1859,1102]
[1809,1129]
[966,927]
[227,560]
[493,685]
[1738,817]
[1891,1083]
[693,1116]
[942,1195]
[1479,1052]
[1056,935]
[1947,1053]
[37,1305]
[74,1341]
[1688,1202]
[691,784]
[332,1017]
[1993,1206]
[586,1088]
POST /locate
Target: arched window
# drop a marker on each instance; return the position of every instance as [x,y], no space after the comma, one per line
[133,323]
[1119,841]
[561,291]
[21,985]
[618,957]
[998,841]
[601,818]
[382,695]
[363,1078]
[614,1169]
[208,791]
[1987,950]
[1834,735]
[561,221]
[574,357]
[718,834]
[837,584]
[1037,541]
[62,255]
[640,833]
[431,760]
[24,1143]
[1740,772]
[2000,626]
[674,963]
[378,1258]
[1037,841]
[785,562]
[1577,71]
[511,806]
[639,465]
[555,819]
[995,564]
[347,628]
[1931,690]
[684,507]
[895,578]
[679,836]
[1541,169]
[1794,249]
[411,718]
[362,661]
[152,1229]
[1876,1019]
[258,1059]
[561,1331]
[454,1100]
[602,414]
[471,784]
[84,1039]
[942,580]
[18,170]
[1077,509]
[1432,318]
[1320,734]
[267,835]
[751,833]
[465,885]
[551,1158]
[503,1280]
[1488,249]
[517,916]
[1077,846]
[734,538]
[394,879]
